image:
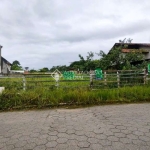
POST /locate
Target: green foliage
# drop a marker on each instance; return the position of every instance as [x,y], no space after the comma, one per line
[42,97]
[33,71]
[60,68]
[115,59]
[85,64]
[45,69]
[16,65]
[11,83]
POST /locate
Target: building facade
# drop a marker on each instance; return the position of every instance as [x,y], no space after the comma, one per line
[144,48]
[5,65]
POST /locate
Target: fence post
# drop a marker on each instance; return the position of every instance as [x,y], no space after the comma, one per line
[57,84]
[57,77]
[24,83]
[91,80]
[105,78]
[145,76]
[118,79]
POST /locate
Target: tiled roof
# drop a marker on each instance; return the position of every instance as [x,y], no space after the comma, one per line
[139,44]
[131,45]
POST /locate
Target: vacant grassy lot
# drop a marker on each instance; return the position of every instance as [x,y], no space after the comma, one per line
[39,91]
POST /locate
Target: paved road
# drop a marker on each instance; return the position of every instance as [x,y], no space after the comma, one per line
[115,127]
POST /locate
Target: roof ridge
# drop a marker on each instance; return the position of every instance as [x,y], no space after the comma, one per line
[6,60]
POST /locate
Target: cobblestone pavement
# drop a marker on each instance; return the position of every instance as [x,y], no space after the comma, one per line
[113,127]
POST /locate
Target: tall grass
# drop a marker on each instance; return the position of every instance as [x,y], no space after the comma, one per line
[44,97]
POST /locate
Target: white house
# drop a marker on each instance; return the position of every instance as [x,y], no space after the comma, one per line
[4,64]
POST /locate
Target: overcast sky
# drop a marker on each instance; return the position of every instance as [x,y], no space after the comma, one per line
[46,33]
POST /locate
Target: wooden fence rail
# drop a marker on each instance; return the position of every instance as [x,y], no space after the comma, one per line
[110,79]
[120,78]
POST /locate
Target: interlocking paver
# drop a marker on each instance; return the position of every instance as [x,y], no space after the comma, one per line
[108,133]
[81,138]
[98,131]
[53,133]
[39,141]
[41,147]
[20,144]
[105,143]
[90,134]
[2,145]
[121,127]
[62,130]
[132,136]
[118,145]
[52,138]
[93,140]
[126,131]
[125,127]
[4,140]
[125,140]
[132,147]
[83,144]
[43,136]
[70,131]
[62,140]
[51,144]
[115,130]
[138,133]
[120,135]
[29,146]
[96,147]
[34,135]
[101,136]
[79,132]
[12,141]
[113,138]
[139,142]
[10,147]
[63,135]
[144,138]
[144,148]
[61,147]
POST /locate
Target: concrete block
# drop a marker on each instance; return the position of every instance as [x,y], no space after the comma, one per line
[2,89]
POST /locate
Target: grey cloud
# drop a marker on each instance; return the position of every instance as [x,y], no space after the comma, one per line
[55,9]
[36,32]
[107,32]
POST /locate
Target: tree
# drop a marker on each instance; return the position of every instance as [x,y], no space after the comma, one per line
[117,60]
[33,71]
[81,58]
[60,68]
[16,65]
[89,64]
[101,54]
[126,41]
[45,69]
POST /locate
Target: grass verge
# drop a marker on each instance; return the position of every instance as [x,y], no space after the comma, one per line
[42,97]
